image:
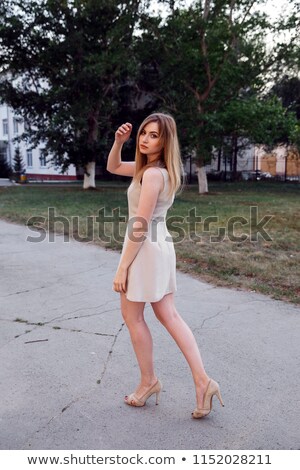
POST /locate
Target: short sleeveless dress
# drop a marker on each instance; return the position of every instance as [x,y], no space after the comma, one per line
[152,274]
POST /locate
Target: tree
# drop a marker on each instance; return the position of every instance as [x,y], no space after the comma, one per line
[287,47]
[288,90]
[62,63]
[295,138]
[18,164]
[205,57]
[262,122]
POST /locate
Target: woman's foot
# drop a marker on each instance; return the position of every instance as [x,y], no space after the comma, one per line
[201,388]
[143,392]
[206,402]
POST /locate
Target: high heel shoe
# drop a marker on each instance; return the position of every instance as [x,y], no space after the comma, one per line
[132,399]
[212,389]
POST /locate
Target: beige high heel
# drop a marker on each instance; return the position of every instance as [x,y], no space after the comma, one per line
[132,399]
[212,389]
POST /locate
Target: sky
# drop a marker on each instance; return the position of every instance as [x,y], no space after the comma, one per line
[276,9]
[273,8]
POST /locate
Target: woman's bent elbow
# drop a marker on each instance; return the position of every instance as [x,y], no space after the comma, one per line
[109,169]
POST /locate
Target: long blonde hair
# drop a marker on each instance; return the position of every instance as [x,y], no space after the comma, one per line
[170,154]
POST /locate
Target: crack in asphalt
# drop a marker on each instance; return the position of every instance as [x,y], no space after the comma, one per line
[58,281]
[47,325]
[214,316]
[24,291]
[81,272]
[110,353]
[84,308]
[59,319]
[17,336]
[76,400]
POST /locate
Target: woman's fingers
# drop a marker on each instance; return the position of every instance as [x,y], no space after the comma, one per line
[124,128]
[123,132]
[118,287]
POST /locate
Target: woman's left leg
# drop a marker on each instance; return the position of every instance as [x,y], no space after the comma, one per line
[167,314]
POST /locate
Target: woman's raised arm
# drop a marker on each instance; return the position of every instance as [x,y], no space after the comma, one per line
[114,161]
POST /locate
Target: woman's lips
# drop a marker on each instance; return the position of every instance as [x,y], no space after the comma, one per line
[143,146]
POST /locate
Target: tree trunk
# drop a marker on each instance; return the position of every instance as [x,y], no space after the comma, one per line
[235,157]
[89,169]
[219,158]
[202,180]
[89,176]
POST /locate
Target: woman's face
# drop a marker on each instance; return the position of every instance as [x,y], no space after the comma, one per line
[149,141]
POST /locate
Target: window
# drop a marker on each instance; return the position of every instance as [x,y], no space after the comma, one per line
[29,157]
[5,126]
[15,124]
[42,157]
[3,153]
[26,125]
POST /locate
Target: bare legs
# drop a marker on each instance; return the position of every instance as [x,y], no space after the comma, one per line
[167,314]
[165,311]
[133,314]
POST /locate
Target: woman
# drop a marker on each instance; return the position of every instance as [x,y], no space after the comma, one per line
[147,268]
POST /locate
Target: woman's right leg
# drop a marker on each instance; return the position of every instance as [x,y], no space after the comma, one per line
[133,314]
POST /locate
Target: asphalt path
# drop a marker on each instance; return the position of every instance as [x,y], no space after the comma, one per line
[67,361]
[6,182]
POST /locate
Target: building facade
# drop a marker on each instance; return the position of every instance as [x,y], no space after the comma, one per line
[283,163]
[34,159]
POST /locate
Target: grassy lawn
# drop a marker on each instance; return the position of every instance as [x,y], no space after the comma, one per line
[244,235]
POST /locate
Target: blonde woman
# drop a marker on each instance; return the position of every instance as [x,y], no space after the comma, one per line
[147,267]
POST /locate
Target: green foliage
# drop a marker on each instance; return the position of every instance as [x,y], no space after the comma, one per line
[75,69]
[208,66]
[18,164]
[295,136]
[62,65]
[287,52]
[260,121]
[288,90]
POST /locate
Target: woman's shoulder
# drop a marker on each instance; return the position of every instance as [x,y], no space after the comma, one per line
[152,176]
[154,172]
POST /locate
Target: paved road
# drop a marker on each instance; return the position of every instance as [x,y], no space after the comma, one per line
[66,359]
[6,182]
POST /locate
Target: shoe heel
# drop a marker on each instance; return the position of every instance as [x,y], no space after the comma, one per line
[219,397]
[158,397]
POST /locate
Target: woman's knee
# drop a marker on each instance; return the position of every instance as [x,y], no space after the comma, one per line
[160,318]
[166,315]
[125,315]
[131,311]
[131,317]
[128,317]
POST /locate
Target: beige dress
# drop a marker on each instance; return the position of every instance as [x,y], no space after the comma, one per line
[152,274]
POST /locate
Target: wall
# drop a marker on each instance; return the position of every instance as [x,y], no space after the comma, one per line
[35,169]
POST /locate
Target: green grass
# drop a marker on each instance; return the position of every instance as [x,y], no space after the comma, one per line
[268,264]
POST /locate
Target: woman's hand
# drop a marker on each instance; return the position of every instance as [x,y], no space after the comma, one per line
[120,280]
[123,133]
